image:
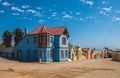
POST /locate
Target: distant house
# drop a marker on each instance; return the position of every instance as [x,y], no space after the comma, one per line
[72,52]
[43,44]
[75,52]
[78,52]
[88,53]
[6,52]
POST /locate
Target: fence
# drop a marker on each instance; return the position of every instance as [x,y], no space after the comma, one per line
[116,56]
[7,52]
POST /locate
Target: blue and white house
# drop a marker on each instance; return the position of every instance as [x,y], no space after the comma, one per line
[43,44]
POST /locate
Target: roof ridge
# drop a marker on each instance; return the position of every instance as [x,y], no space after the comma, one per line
[58,26]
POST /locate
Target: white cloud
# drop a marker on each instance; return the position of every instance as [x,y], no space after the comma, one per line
[118,11]
[38,8]
[41,21]
[83,1]
[1,11]
[90,3]
[54,14]
[81,19]
[101,12]
[50,10]
[90,17]
[17,9]
[67,16]
[0,0]
[78,13]
[6,3]
[104,13]
[25,6]
[15,14]
[26,18]
[107,9]
[38,14]
[87,2]
[116,18]
[105,2]
[64,12]
[31,11]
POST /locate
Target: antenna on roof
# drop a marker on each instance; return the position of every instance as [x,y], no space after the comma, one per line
[65,21]
[26,30]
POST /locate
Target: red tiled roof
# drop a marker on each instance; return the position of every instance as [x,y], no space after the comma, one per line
[52,31]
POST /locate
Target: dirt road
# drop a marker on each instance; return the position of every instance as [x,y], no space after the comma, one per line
[95,68]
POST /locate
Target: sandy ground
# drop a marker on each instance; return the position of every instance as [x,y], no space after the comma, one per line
[95,68]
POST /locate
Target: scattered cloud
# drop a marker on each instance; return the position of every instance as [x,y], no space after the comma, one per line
[16,14]
[50,10]
[105,2]
[118,11]
[71,12]
[26,18]
[39,8]
[31,11]
[48,17]
[87,2]
[67,16]
[81,19]
[17,9]
[2,11]
[101,12]
[90,17]
[78,13]
[41,21]
[107,9]
[6,3]
[38,14]
[54,14]
[116,18]
[104,13]
[90,3]
[64,12]
[0,0]
[25,6]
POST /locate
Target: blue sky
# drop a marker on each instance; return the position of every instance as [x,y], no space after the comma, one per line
[91,23]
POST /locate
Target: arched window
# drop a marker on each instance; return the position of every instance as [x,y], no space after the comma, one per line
[63,41]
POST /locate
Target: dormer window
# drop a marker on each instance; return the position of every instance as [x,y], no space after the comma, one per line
[63,41]
[35,39]
[51,39]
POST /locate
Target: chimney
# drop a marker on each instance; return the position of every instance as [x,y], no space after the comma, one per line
[26,30]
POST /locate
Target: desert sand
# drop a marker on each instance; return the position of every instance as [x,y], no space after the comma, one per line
[93,68]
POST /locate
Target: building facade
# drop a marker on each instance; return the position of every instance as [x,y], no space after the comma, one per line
[43,44]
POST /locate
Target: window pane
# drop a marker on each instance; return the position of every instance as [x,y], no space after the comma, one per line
[62,54]
[63,40]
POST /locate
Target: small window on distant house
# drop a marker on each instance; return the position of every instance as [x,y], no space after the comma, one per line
[63,41]
[66,53]
[51,39]
[48,39]
[44,38]
[62,54]
[27,41]
[51,54]
[35,39]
